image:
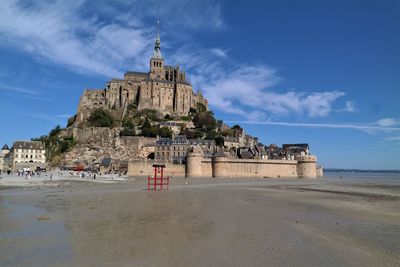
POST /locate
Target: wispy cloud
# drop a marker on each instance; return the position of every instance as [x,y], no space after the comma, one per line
[111,37]
[58,118]
[219,52]
[20,90]
[193,14]
[56,31]
[349,107]
[366,127]
[108,41]
[392,139]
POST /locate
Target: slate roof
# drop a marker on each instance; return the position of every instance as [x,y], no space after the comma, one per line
[303,146]
[105,162]
[5,147]
[28,145]
[136,73]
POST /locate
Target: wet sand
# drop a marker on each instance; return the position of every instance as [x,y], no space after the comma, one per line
[202,222]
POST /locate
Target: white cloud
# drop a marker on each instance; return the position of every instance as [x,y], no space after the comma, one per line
[106,37]
[246,90]
[350,106]
[385,122]
[56,32]
[69,33]
[219,52]
[367,127]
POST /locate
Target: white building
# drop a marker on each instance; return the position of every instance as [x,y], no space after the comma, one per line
[25,154]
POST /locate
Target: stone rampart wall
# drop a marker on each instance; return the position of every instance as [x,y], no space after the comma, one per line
[96,135]
[224,167]
[197,166]
[135,143]
[145,167]
[206,167]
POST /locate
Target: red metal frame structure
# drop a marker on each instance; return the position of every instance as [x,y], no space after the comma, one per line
[158,181]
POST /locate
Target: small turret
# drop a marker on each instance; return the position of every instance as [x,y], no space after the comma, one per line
[306,166]
[193,162]
[219,167]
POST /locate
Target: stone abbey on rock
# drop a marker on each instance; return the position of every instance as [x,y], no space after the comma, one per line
[164,88]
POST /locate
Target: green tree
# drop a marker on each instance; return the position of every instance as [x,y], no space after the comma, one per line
[101,118]
[219,141]
[71,120]
[54,132]
[132,107]
[237,127]
[228,132]
[184,118]
[205,121]
[165,132]
[127,132]
[201,107]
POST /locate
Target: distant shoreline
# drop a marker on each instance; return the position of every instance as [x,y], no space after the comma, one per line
[361,171]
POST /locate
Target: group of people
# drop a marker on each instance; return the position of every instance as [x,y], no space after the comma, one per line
[28,174]
[82,174]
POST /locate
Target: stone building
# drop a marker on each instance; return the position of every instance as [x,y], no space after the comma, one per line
[175,149]
[164,88]
[231,142]
[26,154]
[176,126]
[296,149]
[3,153]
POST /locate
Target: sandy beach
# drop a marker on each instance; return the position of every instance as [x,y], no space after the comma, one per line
[69,221]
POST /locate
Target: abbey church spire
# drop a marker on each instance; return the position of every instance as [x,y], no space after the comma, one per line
[157,46]
[157,62]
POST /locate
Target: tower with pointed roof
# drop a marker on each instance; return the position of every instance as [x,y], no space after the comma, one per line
[157,62]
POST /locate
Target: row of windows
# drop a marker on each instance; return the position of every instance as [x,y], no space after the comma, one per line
[30,157]
[175,148]
[163,154]
[21,161]
[166,84]
[30,151]
[156,64]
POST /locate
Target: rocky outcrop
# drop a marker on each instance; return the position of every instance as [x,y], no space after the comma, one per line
[96,143]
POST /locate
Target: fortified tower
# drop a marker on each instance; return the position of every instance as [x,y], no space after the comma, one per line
[193,162]
[306,166]
[219,164]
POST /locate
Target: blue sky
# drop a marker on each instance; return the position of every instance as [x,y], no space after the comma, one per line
[322,72]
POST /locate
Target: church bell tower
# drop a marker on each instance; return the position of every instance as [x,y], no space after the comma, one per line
[157,62]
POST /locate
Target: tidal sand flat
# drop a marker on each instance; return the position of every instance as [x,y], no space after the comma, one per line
[333,221]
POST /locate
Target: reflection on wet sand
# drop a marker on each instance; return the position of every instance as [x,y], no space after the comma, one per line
[216,222]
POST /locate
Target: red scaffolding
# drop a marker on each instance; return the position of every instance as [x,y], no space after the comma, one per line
[158,181]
